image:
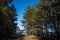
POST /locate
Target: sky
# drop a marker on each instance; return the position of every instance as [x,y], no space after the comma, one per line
[20,6]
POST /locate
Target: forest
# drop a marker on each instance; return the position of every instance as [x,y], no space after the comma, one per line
[41,21]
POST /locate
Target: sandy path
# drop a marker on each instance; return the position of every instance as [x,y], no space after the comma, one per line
[30,37]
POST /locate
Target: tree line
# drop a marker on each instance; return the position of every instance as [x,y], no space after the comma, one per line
[8,17]
[43,19]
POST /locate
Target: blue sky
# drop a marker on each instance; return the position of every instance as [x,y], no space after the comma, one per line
[20,6]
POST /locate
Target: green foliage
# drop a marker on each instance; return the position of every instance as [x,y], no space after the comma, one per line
[36,15]
[7,20]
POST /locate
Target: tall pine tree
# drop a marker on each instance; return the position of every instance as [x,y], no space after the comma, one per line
[7,19]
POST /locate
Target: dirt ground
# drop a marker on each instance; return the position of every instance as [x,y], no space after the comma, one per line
[30,37]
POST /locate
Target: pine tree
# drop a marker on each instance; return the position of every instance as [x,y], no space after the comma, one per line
[43,16]
[7,20]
